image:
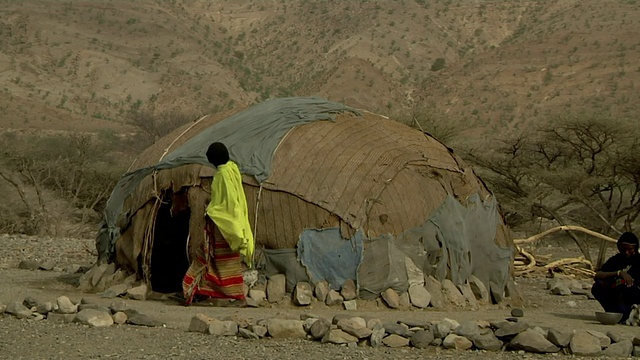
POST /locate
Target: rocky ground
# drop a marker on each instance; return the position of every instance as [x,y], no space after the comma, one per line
[47,339]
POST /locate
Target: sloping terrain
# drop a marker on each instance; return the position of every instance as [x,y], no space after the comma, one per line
[84,65]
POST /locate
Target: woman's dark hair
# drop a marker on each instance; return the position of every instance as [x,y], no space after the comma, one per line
[217,154]
[628,238]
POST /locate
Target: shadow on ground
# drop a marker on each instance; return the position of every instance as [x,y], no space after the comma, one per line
[591,319]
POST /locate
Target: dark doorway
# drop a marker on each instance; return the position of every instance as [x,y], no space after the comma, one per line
[169,261]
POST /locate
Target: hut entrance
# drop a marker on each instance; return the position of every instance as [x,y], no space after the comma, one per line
[169,261]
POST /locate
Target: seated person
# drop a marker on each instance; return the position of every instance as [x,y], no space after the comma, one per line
[616,282]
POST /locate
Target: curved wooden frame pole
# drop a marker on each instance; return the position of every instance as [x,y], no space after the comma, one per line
[563,228]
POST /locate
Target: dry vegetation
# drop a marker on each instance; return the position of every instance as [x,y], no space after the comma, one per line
[466,71]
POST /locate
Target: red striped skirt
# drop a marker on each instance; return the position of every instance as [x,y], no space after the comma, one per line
[216,273]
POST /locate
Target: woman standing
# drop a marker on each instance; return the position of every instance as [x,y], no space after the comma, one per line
[216,271]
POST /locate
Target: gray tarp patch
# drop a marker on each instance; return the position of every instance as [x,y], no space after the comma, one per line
[455,242]
[327,256]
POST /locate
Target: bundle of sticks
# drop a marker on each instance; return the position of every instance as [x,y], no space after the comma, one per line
[526,263]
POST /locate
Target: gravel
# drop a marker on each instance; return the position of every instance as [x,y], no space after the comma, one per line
[29,339]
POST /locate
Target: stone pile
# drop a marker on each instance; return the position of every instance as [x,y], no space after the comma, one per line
[86,312]
[421,294]
[423,291]
[563,286]
[349,330]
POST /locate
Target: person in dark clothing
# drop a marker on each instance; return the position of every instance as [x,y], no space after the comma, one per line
[617,282]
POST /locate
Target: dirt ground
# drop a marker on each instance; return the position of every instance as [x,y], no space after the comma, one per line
[27,339]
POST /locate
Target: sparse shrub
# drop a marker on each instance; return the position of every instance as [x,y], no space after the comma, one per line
[438,64]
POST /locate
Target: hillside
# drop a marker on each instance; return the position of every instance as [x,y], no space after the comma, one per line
[490,65]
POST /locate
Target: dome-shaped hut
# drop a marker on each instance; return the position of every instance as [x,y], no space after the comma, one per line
[333,193]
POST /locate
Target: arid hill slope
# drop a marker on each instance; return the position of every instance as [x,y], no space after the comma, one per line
[492,65]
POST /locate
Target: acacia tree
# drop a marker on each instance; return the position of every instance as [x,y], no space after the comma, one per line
[574,169]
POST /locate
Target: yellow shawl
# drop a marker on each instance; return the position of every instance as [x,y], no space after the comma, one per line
[228,210]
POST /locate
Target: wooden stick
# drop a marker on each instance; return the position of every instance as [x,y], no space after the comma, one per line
[563,228]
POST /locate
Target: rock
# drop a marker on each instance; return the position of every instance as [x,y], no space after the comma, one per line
[302,293]
[584,344]
[486,340]
[540,331]
[602,338]
[355,326]
[468,329]
[434,287]
[416,322]
[397,329]
[44,308]
[222,328]
[247,334]
[3,308]
[636,351]
[259,330]
[349,290]
[517,312]
[560,289]
[340,316]
[322,290]
[337,336]
[419,296]
[118,305]
[60,318]
[415,276]
[242,321]
[284,329]
[115,291]
[71,269]
[119,318]
[29,265]
[259,296]
[30,302]
[35,317]
[65,306]
[308,323]
[616,336]
[404,303]
[47,265]
[333,298]
[623,348]
[143,320]
[395,341]
[391,298]
[107,277]
[457,342]
[509,329]
[532,341]
[199,323]
[377,335]
[452,294]
[18,310]
[559,337]
[319,328]
[94,318]
[469,297]
[441,329]
[139,292]
[276,288]
[94,307]
[479,290]
[374,323]
[350,305]
[252,302]
[421,339]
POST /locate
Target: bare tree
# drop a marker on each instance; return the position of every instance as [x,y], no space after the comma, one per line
[574,169]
